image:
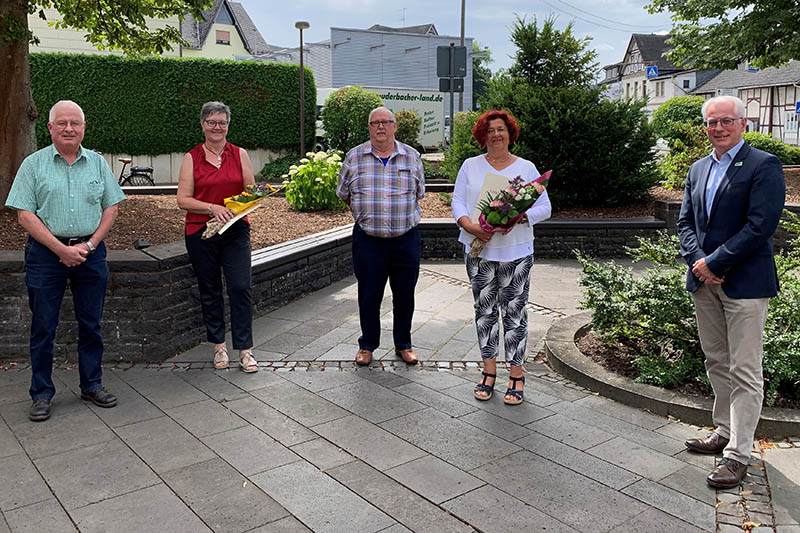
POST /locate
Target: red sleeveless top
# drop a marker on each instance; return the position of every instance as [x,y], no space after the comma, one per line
[212,184]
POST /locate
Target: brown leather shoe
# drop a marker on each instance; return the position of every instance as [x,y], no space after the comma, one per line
[363,357]
[409,356]
[728,474]
[714,443]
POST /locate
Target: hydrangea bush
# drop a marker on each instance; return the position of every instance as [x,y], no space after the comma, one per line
[311,186]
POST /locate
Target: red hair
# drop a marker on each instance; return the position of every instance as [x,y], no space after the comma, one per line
[479,131]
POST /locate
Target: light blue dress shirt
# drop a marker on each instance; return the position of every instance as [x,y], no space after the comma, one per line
[718,169]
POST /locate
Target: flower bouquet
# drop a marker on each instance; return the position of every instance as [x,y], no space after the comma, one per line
[241,204]
[501,211]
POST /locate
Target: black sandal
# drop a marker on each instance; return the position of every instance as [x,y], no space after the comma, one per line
[518,395]
[483,387]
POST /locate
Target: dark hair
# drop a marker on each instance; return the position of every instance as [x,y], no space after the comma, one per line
[479,131]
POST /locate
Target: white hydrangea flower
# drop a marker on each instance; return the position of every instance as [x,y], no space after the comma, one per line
[285,176]
[285,182]
[319,156]
[292,172]
[305,160]
[293,167]
[309,154]
[318,180]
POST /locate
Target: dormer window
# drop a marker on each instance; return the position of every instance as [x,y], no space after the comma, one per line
[223,37]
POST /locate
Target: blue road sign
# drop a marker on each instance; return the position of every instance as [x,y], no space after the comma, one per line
[797,108]
[652,72]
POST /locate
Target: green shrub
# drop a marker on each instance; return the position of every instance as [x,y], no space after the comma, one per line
[408,127]
[599,150]
[795,151]
[311,186]
[345,116]
[464,145]
[433,170]
[279,166]
[678,110]
[771,145]
[151,105]
[690,145]
[446,198]
[654,314]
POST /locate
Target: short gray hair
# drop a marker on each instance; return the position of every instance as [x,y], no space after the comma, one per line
[52,115]
[214,107]
[381,108]
[739,106]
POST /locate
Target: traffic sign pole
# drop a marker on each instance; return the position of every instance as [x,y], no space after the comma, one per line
[452,88]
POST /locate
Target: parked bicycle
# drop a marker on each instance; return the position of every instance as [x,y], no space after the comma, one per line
[138,176]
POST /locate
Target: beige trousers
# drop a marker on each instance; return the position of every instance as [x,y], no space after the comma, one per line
[731,332]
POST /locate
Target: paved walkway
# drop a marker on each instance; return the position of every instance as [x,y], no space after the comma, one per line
[313,443]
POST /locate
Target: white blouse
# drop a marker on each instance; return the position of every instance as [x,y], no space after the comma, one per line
[516,243]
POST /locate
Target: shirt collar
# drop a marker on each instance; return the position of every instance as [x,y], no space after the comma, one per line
[732,152]
[398,149]
[55,153]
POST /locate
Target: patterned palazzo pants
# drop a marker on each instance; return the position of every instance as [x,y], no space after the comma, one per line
[502,287]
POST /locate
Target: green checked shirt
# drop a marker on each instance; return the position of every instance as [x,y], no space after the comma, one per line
[69,199]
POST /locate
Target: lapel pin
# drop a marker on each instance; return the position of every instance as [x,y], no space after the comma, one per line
[738,164]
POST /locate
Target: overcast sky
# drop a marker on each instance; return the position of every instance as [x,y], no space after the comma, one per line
[608,22]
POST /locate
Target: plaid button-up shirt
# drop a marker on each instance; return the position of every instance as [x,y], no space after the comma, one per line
[384,199]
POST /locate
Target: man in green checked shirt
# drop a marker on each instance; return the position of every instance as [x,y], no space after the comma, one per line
[66,199]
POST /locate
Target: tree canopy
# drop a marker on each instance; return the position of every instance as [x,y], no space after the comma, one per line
[480,72]
[721,34]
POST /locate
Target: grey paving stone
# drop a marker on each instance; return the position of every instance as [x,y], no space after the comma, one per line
[163,444]
[315,327]
[578,461]
[434,399]
[702,461]
[319,381]
[453,440]
[322,454]
[266,355]
[400,503]
[302,309]
[495,425]
[334,336]
[249,382]
[631,456]
[453,350]
[572,432]
[783,471]
[346,352]
[492,510]
[384,378]
[3,525]
[522,414]
[22,485]
[371,401]
[436,333]
[434,479]
[249,450]
[305,353]
[552,389]
[269,326]
[691,480]
[72,425]
[555,490]
[209,382]
[655,520]
[433,379]
[13,392]
[320,502]
[289,342]
[222,497]
[682,432]
[131,407]
[94,473]
[273,423]
[672,502]
[154,508]
[624,412]
[8,442]
[206,418]
[163,388]
[368,442]
[299,404]
[43,516]
[289,524]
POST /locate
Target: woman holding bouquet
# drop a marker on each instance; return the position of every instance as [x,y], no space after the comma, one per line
[500,274]
[212,171]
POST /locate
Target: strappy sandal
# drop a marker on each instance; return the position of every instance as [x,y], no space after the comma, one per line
[517,394]
[247,362]
[221,357]
[483,387]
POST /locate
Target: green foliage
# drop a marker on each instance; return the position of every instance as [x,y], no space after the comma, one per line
[279,166]
[771,145]
[433,170]
[345,116]
[599,150]
[654,314]
[464,145]
[678,110]
[689,144]
[711,34]
[312,185]
[151,105]
[481,74]
[446,198]
[547,57]
[408,127]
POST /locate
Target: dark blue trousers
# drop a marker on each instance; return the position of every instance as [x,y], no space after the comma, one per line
[46,278]
[375,260]
[227,254]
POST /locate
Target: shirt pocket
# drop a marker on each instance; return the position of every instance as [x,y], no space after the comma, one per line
[403,181]
[94,192]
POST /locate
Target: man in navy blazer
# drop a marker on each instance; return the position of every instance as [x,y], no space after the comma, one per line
[731,207]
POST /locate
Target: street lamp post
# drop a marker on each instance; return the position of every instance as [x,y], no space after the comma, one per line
[302,25]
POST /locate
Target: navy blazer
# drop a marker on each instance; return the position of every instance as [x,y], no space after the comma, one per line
[736,237]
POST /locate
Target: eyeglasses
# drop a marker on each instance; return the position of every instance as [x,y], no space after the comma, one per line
[726,122]
[215,123]
[492,131]
[384,123]
[61,124]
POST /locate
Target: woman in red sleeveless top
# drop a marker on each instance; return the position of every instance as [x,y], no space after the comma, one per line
[212,171]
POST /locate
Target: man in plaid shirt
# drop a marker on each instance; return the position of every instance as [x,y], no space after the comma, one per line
[382,181]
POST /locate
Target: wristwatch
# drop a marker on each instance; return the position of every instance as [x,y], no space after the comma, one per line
[91,246]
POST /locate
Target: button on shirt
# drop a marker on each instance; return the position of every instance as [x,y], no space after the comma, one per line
[384,199]
[69,199]
[719,167]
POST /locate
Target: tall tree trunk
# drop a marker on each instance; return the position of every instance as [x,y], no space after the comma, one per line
[18,113]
